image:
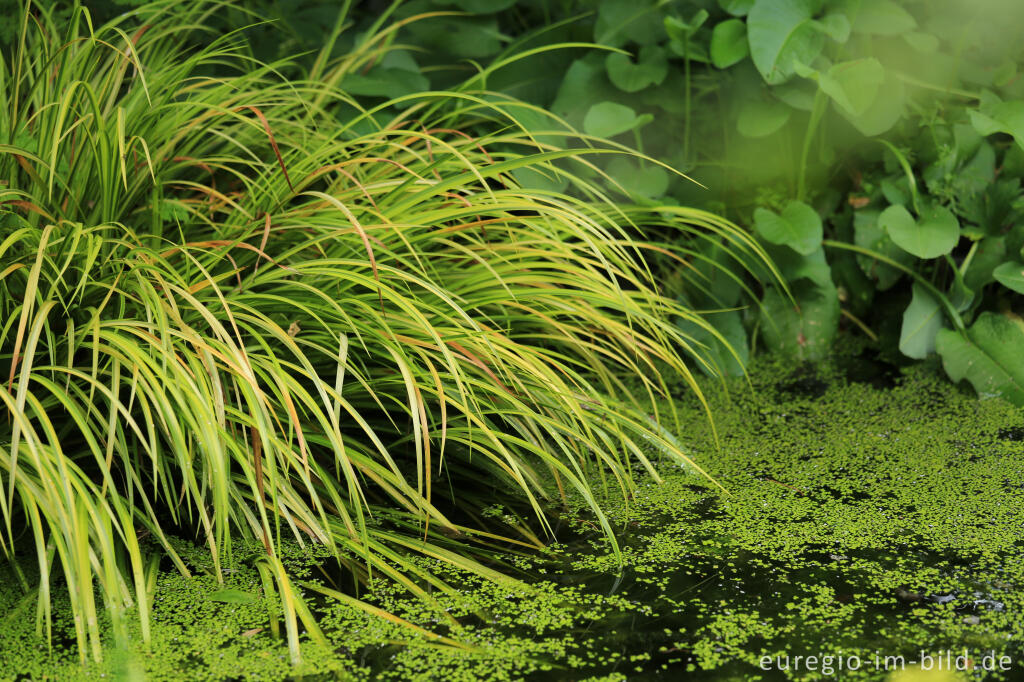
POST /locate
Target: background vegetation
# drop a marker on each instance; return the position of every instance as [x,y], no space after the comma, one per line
[348,273]
[237,301]
[873,146]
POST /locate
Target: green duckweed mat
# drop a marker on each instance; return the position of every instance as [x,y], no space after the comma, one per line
[873,522]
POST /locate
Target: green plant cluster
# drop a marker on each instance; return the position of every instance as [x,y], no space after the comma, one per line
[873,146]
[235,302]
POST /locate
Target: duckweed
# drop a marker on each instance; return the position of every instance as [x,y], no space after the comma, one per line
[872,515]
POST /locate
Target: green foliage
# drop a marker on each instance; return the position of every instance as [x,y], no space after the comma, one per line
[236,302]
[798,227]
[934,234]
[921,323]
[989,357]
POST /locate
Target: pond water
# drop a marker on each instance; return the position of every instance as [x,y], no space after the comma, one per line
[872,518]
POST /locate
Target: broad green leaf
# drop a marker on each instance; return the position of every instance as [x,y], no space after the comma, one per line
[584,84]
[996,116]
[714,268]
[622,21]
[921,322]
[737,8]
[896,191]
[977,174]
[884,111]
[868,234]
[804,331]
[460,36]
[882,17]
[650,68]
[925,43]
[760,117]
[779,32]
[608,119]
[1011,276]
[988,254]
[729,325]
[535,178]
[649,181]
[729,43]
[853,85]
[934,234]
[797,93]
[794,266]
[835,26]
[670,95]
[858,289]
[390,83]
[990,357]
[232,596]
[799,227]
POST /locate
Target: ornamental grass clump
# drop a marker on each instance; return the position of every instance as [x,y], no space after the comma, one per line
[234,304]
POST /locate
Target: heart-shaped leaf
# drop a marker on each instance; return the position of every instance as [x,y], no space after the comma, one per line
[868,234]
[799,227]
[760,117]
[779,32]
[583,85]
[933,235]
[729,43]
[1011,276]
[921,322]
[608,119]
[853,85]
[650,68]
[990,356]
[885,110]
[649,181]
[737,8]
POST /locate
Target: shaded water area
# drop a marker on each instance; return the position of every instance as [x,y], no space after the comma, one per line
[870,514]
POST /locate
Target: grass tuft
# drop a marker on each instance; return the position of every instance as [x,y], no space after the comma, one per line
[233,303]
